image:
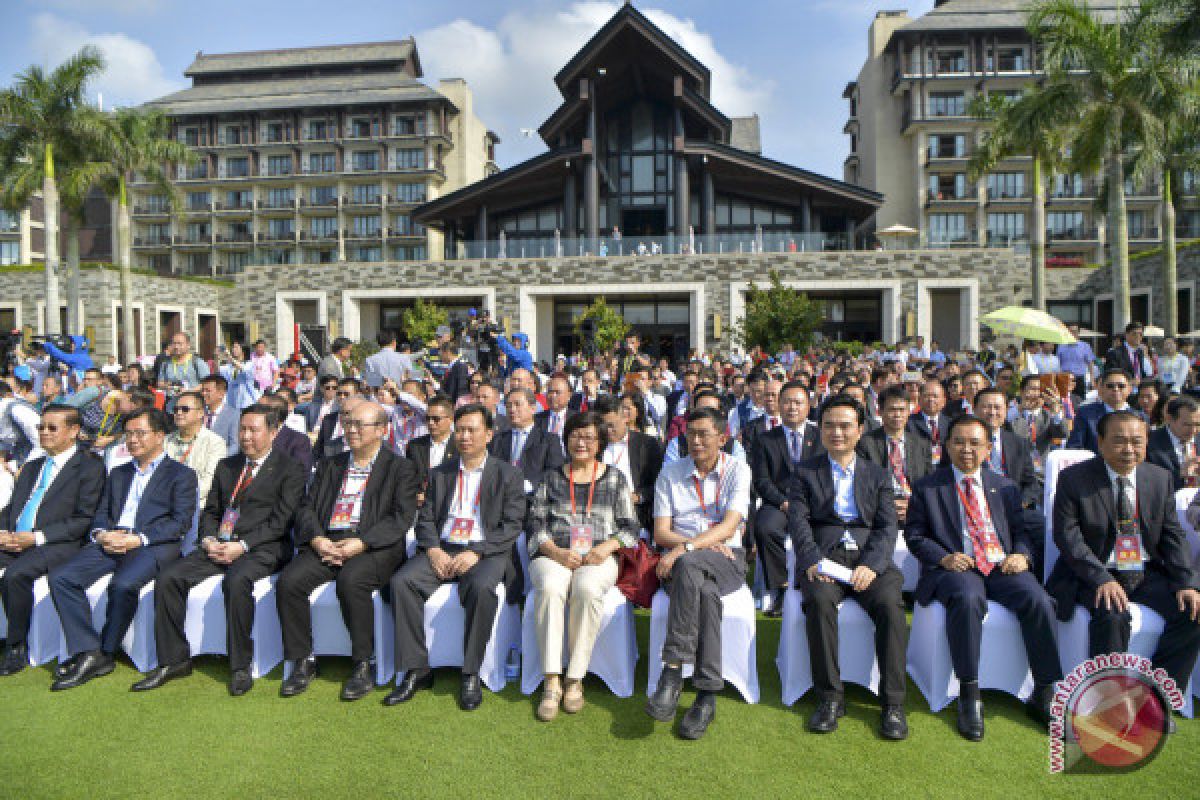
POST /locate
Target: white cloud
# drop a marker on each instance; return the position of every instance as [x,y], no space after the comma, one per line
[510,68]
[133,74]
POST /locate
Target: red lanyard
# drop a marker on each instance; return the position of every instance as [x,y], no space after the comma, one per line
[462,489]
[591,489]
[616,459]
[982,524]
[700,489]
[233,499]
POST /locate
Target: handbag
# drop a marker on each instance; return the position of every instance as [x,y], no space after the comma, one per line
[636,575]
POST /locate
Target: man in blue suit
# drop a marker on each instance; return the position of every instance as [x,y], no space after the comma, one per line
[1115,386]
[965,525]
[147,507]
[219,416]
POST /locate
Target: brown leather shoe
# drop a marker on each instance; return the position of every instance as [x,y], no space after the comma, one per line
[572,701]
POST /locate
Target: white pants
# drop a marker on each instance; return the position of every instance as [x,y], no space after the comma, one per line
[559,592]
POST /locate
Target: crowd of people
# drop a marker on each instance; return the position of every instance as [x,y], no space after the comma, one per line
[178,469]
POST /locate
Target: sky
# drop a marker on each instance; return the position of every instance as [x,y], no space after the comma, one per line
[787,60]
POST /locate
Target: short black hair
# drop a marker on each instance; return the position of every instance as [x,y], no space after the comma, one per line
[794,386]
[586,419]
[385,337]
[141,397]
[606,404]
[288,394]
[73,417]
[1133,326]
[155,418]
[1181,403]
[701,394]
[216,379]
[441,401]
[1028,379]
[987,390]
[843,401]
[1113,418]
[348,381]
[968,419]
[340,343]
[1124,373]
[890,395]
[266,408]
[710,414]
[475,408]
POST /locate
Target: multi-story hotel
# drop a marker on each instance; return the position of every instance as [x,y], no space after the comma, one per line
[309,156]
[911,137]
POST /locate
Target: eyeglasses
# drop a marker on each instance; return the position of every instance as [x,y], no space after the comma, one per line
[179,409]
[359,424]
[345,394]
[138,433]
[583,437]
[42,426]
[329,387]
[1116,386]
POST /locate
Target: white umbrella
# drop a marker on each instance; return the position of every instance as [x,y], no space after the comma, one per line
[1088,333]
[1154,331]
[1190,335]
[897,230]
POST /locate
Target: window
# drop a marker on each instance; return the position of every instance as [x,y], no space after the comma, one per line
[1006,227]
[947,104]
[1187,224]
[410,158]
[279,165]
[320,130]
[280,198]
[954,60]
[366,254]
[944,228]
[10,252]
[410,125]
[197,264]
[8,222]
[281,229]
[236,262]
[1065,225]
[234,135]
[274,132]
[409,253]
[158,234]
[1006,59]
[323,227]
[365,160]
[320,256]
[1071,311]
[239,232]
[1139,225]
[948,145]
[403,225]
[1001,185]
[191,137]
[365,193]
[237,167]
[158,204]
[410,192]
[952,186]
[278,255]
[1067,186]
[1191,179]
[196,171]
[366,226]
[239,199]
[199,201]
[360,128]
[322,162]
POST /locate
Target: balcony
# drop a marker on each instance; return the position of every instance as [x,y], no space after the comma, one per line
[200,269]
[153,240]
[963,239]
[318,169]
[320,204]
[1143,234]
[198,208]
[1081,234]
[152,211]
[192,240]
[397,200]
[277,237]
[266,170]
[311,236]
[320,133]
[1016,241]
[1073,192]
[1008,196]
[1146,191]
[235,237]
[365,166]
[944,155]
[276,206]
[1187,230]
[195,172]
[229,270]
[240,205]
[950,198]
[350,200]
[405,233]
[353,235]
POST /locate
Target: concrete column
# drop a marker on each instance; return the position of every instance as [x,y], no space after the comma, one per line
[591,188]
[570,205]
[710,203]
[683,206]
[806,213]
[481,225]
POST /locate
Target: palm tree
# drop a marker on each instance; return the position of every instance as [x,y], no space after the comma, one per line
[1182,25]
[137,143]
[43,117]
[1096,65]
[1034,125]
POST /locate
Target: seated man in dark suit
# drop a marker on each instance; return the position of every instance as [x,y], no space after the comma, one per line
[288,441]
[930,420]
[350,529]
[243,537]
[558,398]
[147,507]
[45,522]
[774,455]
[1038,420]
[474,509]
[324,402]
[907,458]
[1121,542]
[427,452]
[842,513]
[331,439]
[527,447]
[966,526]
[1174,446]
[1130,355]
[1114,390]
[632,452]
[589,390]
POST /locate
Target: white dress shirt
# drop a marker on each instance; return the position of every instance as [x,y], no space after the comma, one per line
[617,455]
[726,488]
[141,477]
[59,461]
[1130,493]
[437,451]
[469,480]
[980,501]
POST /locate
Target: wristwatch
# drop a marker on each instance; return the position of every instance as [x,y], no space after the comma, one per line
[688,547]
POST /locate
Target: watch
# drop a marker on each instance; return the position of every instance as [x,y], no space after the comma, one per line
[688,547]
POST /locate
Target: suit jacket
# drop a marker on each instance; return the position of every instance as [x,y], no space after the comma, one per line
[389,503]
[501,506]
[327,444]
[1018,467]
[167,506]
[266,504]
[1119,357]
[1160,451]
[1047,429]
[815,528]
[330,365]
[771,462]
[225,425]
[457,381]
[934,526]
[645,462]
[918,453]
[311,411]
[66,511]
[917,424]
[542,420]
[418,453]
[294,445]
[542,452]
[1084,435]
[1085,526]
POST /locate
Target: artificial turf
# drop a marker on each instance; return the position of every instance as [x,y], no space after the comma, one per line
[192,739]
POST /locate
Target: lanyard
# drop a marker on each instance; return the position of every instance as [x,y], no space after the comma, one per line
[346,478]
[700,489]
[462,489]
[591,489]
[616,456]
[245,477]
[982,524]
[187,451]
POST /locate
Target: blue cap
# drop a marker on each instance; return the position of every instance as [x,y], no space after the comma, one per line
[520,337]
[471,312]
[23,372]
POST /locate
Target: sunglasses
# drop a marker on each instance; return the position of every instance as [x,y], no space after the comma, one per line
[42,426]
[1116,386]
[186,409]
[345,394]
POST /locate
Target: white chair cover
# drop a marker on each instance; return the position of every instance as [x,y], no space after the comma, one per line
[1003,663]
[204,625]
[445,622]
[739,660]
[614,657]
[1056,462]
[331,638]
[138,643]
[907,563]
[44,628]
[762,597]
[856,648]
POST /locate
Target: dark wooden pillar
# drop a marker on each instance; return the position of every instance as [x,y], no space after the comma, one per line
[710,202]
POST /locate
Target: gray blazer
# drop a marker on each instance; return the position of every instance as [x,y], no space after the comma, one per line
[225,425]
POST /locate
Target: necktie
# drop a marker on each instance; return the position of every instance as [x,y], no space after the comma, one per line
[896,457]
[28,516]
[208,420]
[1127,525]
[554,424]
[771,423]
[975,527]
[517,446]
[1137,364]
[1189,452]
[797,451]
[996,462]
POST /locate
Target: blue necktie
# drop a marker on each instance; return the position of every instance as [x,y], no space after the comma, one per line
[29,514]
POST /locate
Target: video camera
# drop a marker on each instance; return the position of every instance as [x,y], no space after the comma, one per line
[9,342]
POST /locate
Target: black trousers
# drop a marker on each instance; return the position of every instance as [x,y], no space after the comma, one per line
[884,605]
[697,582]
[413,585]
[21,570]
[171,598]
[965,596]
[1109,631]
[770,536]
[355,582]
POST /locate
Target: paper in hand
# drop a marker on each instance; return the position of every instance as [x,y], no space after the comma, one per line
[831,569]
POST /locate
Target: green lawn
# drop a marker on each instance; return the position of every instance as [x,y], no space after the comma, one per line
[191,739]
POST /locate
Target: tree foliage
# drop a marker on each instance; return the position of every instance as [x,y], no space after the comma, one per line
[777,315]
[610,326]
[423,319]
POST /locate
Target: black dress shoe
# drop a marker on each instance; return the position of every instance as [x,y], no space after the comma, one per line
[240,682]
[414,680]
[892,723]
[662,704]
[697,719]
[470,692]
[92,664]
[361,681]
[16,658]
[63,668]
[970,712]
[160,675]
[777,596]
[1039,703]
[825,718]
[302,675]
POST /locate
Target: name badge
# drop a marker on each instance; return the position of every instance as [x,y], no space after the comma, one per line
[1128,552]
[937,453]
[581,538]
[228,523]
[342,517]
[993,550]
[460,530]
[848,542]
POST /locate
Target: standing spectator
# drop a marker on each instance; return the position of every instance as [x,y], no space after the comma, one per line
[264,365]
[184,369]
[23,418]
[243,388]
[387,364]
[1079,360]
[1047,363]
[334,363]
[1172,367]
[1130,354]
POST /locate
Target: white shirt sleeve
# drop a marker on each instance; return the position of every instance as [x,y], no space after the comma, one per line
[27,420]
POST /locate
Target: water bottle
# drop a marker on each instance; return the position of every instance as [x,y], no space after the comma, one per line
[512,665]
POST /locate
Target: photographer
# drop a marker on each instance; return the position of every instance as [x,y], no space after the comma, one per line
[69,350]
[518,356]
[183,370]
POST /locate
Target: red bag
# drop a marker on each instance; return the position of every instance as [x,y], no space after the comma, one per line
[636,576]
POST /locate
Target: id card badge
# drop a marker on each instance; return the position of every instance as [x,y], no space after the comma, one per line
[937,454]
[343,513]
[460,530]
[1128,552]
[581,538]
[228,523]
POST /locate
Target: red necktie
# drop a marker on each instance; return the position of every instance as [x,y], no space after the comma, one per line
[897,461]
[975,527]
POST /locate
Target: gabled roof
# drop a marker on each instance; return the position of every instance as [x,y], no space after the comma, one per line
[967,15]
[302,57]
[629,18]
